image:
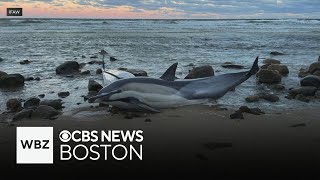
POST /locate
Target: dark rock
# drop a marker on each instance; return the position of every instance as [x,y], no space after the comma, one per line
[256,111]
[282,69]
[265,66]
[299,125]
[317,94]
[99,71]
[137,72]
[79,104]
[305,90]
[2,73]
[41,95]
[200,72]
[302,98]
[271,61]
[11,81]
[93,57]
[303,73]
[316,73]
[236,115]
[147,120]
[24,114]
[94,86]
[82,65]
[1,59]
[310,80]
[70,76]
[318,58]
[276,53]
[45,112]
[95,62]
[13,105]
[85,72]
[83,56]
[268,76]
[252,98]
[245,109]
[31,102]
[190,64]
[314,66]
[278,87]
[113,59]
[37,78]
[56,103]
[29,79]
[68,67]
[89,95]
[25,62]
[230,65]
[103,104]
[64,94]
[269,97]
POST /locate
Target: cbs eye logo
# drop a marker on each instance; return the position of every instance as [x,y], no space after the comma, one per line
[65,136]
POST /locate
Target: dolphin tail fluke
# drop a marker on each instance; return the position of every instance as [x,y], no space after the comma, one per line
[170,74]
[255,67]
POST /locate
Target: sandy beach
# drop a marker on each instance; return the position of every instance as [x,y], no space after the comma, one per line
[196,139]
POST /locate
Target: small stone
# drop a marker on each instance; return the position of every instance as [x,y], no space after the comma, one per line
[276,53]
[268,76]
[245,109]
[56,103]
[64,94]
[13,105]
[29,79]
[45,112]
[236,115]
[269,97]
[93,57]
[32,102]
[25,62]
[37,78]
[99,71]
[278,87]
[303,73]
[314,66]
[311,80]
[41,95]
[147,120]
[282,69]
[304,90]
[302,98]
[190,64]
[252,98]
[68,67]
[113,59]
[85,72]
[24,114]
[200,72]
[83,56]
[11,81]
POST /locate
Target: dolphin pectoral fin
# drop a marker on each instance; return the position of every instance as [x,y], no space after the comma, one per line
[92,99]
[170,73]
[143,105]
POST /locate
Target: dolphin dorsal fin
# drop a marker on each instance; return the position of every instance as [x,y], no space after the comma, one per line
[170,74]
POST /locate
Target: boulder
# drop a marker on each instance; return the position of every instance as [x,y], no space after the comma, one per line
[25,62]
[268,76]
[41,95]
[24,114]
[68,67]
[94,86]
[269,97]
[276,53]
[2,73]
[13,105]
[313,67]
[271,61]
[236,115]
[252,98]
[11,81]
[302,98]
[45,112]
[310,80]
[316,73]
[200,72]
[265,66]
[230,65]
[282,69]
[32,102]
[64,94]
[303,73]
[305,90]
[56,103]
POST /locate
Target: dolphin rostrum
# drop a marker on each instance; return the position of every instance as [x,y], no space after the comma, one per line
[150,94]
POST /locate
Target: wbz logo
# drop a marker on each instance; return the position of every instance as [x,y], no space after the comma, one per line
[14,11]
[34,145]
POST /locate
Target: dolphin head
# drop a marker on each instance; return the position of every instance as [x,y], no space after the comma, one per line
[105,93]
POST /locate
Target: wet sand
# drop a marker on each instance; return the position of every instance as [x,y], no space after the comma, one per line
[201,140]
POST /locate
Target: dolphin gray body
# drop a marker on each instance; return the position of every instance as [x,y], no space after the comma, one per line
[150,94]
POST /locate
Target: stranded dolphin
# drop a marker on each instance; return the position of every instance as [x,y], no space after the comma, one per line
[150,94]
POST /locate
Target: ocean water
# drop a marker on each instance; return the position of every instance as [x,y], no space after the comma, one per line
[153,45]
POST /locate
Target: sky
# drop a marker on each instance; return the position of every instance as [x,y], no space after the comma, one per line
[165,9]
